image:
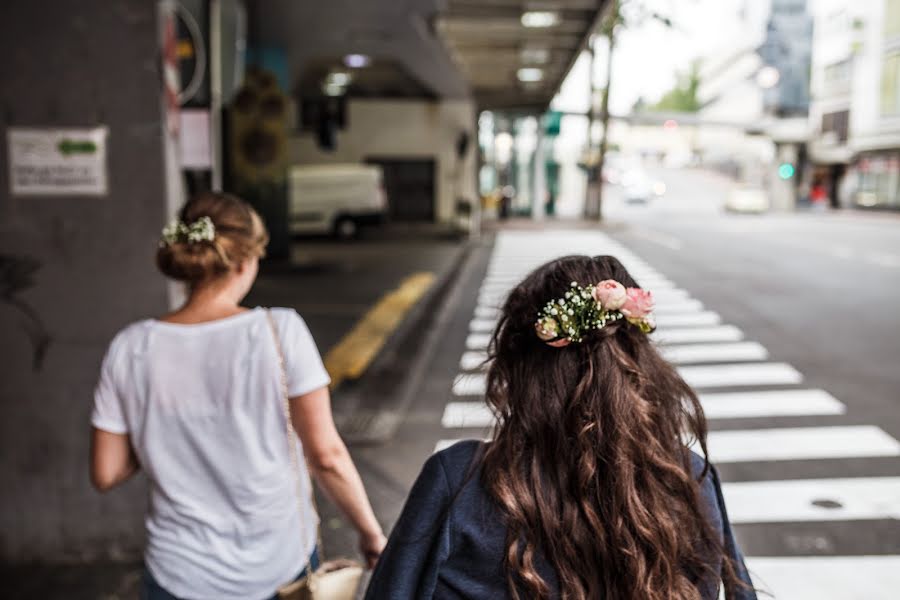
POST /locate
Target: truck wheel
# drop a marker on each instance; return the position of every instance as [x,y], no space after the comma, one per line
[346,229]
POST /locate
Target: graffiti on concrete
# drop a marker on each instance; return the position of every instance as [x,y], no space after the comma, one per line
[17,275]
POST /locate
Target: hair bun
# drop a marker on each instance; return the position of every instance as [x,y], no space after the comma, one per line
[238,234]
[190,261]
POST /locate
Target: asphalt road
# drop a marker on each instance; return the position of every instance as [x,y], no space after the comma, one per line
[788,328]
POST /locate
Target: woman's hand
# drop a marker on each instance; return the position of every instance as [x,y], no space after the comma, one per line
[371,546]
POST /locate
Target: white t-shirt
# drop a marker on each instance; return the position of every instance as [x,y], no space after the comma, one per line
[203,407]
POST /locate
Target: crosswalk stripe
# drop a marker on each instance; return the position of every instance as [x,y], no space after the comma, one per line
[801,443]
[774,403]
[710,353]
[471,360]
[718,333]
[670,295]
[664,306]
[682,306]
[740,374]
[727,375]
[478,341]
[482,325]
[680,355]
[847,499]
[796,443]
[466,414]
[470,384]
[486,312]
[698,319]
[822,577]
[734,405]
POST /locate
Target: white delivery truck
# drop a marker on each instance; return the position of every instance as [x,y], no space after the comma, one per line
[337,198]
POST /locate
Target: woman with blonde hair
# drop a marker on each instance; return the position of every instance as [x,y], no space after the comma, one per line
[195,400]
[588,489]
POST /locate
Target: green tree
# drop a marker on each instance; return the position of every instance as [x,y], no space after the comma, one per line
[682,97]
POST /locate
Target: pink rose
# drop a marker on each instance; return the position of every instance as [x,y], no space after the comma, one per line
[610,294]
[638,304]
[562,343]
[547,328]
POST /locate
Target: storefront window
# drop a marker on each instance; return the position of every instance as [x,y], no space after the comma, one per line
[890,85]
[892,18]
[879,180]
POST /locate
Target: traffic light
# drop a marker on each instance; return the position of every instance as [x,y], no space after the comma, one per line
[786,170]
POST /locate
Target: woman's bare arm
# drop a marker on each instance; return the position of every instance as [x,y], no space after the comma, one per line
[112,459]
[330,463]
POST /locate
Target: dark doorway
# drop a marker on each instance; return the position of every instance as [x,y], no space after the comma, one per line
[409,186]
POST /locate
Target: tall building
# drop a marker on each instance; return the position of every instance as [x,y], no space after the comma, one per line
[855,109]
[787,49]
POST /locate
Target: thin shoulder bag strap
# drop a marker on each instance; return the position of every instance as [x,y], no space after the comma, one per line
[292,446]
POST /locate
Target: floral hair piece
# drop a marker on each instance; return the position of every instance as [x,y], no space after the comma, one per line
[586,308]
[201,230]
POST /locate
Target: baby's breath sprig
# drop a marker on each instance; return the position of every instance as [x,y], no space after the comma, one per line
[201,230]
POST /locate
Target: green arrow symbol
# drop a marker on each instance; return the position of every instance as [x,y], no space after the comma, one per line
[67,147]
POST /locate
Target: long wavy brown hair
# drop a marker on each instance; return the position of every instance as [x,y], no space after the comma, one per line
[589,462]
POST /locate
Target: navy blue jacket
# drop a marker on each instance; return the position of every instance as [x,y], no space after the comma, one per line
[449,541]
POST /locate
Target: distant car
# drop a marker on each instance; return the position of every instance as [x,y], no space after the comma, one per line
[747,200]
[638,188]
[339,199]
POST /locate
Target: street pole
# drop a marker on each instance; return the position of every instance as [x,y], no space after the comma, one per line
[539,176]
[589,192]
[604,121]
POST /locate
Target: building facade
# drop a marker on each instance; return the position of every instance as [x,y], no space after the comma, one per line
[855,110]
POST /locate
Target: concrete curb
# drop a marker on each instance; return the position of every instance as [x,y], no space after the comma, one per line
[370,409]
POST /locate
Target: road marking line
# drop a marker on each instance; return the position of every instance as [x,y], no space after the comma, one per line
[838,499]
[774,403]
[486,312]
[822,577]
[790,443]
[711,353]
[482,325]
[719,333]
[670,295]
[478,341]
[738,405]
[466,414]
[801,443]
[679,303]
[685,306]
[699,319]
[740,374]
[470,384]
[472,360]
[663,239]
[353,354]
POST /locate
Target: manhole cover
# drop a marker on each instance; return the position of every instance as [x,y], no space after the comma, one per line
[827,504]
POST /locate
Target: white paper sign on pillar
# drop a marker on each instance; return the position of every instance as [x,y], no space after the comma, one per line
[57,161]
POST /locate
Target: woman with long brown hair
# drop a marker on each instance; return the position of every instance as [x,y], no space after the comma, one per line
[589,489]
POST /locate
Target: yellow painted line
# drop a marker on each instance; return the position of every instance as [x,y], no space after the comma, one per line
[351,356]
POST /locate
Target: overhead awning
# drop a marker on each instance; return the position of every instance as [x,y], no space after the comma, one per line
[505,53]
[514,54]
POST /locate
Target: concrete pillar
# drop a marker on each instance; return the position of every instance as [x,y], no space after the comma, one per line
[539,178]
[75,269]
